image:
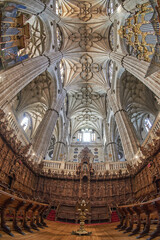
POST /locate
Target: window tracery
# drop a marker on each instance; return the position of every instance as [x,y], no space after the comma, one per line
[111,37]
[62,70]
[59,37]
[110,72]
[58,8]
[110,7]
[86,135]
[146,124]
[26,123]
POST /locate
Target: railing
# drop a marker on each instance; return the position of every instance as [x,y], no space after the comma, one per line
[117,166]
[99,167]
[71,167]
[53,165]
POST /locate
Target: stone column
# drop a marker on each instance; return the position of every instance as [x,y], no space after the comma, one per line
[110,147]
[44,132]
[125,128]
[138,68]
[13,80]
[59,149]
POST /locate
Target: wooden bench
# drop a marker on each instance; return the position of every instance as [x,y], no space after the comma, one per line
[145,213]
[19,209]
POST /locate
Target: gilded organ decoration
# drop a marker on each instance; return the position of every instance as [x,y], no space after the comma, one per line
[139,33]
[155,63]
[85,37]
[15,33]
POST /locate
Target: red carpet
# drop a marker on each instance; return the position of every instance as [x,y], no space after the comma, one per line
[51,215]
[114,217]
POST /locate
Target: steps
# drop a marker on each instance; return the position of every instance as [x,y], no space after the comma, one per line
[51,215]
[114,217]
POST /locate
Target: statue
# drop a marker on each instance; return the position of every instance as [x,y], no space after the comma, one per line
[82,208]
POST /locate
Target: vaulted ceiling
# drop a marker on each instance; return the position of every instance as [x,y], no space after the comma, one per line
[85,27]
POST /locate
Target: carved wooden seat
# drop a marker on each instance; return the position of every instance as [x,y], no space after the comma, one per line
[145,213]
[16,209]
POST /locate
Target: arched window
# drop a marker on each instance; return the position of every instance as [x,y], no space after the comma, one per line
[59,37]
[86,135]
[25,122]
[110,7]
[79,137]
[58,8]
[62,69]
[110,72]
[93,137]
[146,125]
[111,37]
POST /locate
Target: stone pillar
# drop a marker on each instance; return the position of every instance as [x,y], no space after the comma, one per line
[125,128]
[59,149]
[44,132]
[138,68]
[13,80]
[110,147]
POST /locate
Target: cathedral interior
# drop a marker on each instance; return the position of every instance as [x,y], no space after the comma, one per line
[80,119]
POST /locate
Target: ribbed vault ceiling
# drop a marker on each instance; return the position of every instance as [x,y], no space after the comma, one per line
[85,49]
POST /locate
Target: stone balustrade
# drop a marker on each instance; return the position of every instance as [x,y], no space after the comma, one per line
[58,166]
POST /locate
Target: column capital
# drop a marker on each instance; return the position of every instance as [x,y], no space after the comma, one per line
[120,110]
[110,143]
[60,143]
[52,109]
[49,60]
[43,10]
[65,89]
